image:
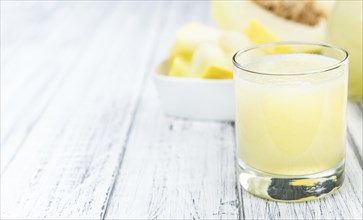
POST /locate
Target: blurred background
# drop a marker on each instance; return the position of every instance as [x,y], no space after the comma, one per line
[56,33]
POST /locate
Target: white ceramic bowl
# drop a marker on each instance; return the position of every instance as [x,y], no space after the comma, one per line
[205,99]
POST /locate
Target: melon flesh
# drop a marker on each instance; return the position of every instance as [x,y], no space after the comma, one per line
[235,15]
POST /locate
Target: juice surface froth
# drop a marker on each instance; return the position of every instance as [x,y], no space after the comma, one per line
[289,123]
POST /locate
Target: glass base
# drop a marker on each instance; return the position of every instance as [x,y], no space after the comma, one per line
[291,188]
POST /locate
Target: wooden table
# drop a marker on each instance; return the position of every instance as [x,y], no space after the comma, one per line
[83,135]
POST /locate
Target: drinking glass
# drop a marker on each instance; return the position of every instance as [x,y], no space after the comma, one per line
[290,121]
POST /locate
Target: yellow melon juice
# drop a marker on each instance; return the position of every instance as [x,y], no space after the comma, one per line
[290,119]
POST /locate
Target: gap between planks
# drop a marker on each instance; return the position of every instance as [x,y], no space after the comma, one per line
[146,71]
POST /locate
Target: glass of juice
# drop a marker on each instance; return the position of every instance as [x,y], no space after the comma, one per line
[290,119]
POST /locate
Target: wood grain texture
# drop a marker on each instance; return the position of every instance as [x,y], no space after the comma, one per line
[67,157]
[83,135]
[175,168]
[355,128]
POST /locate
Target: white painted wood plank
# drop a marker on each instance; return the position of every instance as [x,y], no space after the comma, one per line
[355,127]
[67,163]
[43,64]
[175,168]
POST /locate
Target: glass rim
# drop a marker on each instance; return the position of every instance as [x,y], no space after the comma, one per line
[302,43]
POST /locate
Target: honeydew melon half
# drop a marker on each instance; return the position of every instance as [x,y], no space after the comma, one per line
[235,15]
